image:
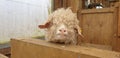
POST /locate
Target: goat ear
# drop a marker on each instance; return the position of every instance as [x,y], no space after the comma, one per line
[46,25]
[79,31]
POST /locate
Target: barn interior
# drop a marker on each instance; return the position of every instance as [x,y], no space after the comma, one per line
[20,36]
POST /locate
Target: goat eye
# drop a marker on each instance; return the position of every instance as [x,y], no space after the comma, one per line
[64,30]
[60,30]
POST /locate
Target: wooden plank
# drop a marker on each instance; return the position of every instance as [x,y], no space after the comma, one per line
[35,48]
[75,5]
[65,3]
[118,18]
[116,42]
[58,4]
[115,35]
[104,47]
[117,47]
[98,30]
[5,50]
[104,10]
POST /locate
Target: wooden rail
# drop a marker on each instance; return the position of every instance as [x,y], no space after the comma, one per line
[36,48]
[104,10]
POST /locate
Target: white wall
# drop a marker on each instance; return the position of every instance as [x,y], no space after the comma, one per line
[20,18]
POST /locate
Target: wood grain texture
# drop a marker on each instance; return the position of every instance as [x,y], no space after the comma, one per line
[5,51]
[117,46]
[104,10]
[58,4]
[101,26]
[98,25]
[75,5]
[118,39]
[118,18]
[35,48]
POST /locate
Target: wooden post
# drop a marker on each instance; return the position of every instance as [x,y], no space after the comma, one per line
[58,4]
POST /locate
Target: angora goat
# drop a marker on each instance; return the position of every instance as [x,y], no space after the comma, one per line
[62,26]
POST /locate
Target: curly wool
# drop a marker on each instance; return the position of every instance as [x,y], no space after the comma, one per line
[67,17]
[64,16]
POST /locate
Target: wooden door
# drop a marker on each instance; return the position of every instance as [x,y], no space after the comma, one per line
[99,26]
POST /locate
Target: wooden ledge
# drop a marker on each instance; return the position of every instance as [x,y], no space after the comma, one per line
[36,48]
[103,10]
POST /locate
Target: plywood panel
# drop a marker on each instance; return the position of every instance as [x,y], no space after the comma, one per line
[98,26]
[98,30]
[35,48]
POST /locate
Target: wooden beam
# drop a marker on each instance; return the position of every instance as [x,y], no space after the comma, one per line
[104,10]
[117,5]
[58,4]
[36,48]
[75,5]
